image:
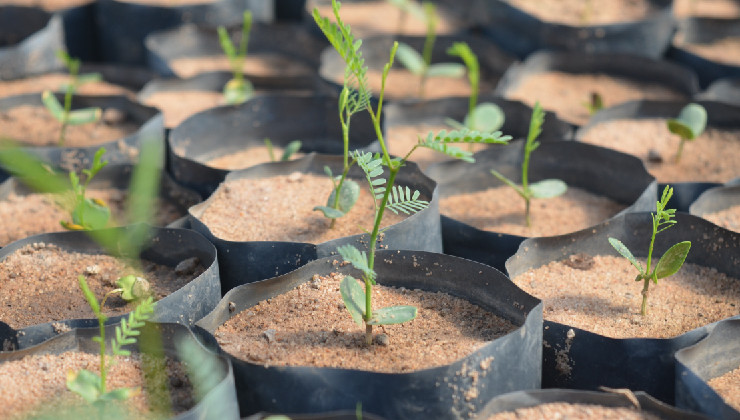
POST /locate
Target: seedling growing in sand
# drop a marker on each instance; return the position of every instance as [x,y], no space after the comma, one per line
[87,213]
[90,386]
[547,188]
[691,122]
[64,114]
[289,150]
[421,64]
[670,262]
[595,103]
[238,89]
[407,7]
[480,117]
[387,195]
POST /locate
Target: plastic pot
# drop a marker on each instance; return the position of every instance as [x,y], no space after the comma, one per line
[220,399]
[628,66]
[313,119]
[703,30]
[524,399]
[249,261]
[429,393]
[521,33]
[335,415]
[716,199]
[713,356]
[80,31]
[725,90]
[636,363]
[29,40]
[291,42]
[167,246]
[123,26]
[125,150]
[493,62]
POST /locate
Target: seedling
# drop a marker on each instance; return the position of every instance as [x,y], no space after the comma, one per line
[387,196]
[87,213]
[486,116]
[595,103]
[90,386]
[421,65]
[670,262]
[691,122]
[547,188]
[407,7]
[64,114]
[289,150]
[238,89]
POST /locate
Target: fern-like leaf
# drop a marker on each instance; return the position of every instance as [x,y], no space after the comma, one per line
[403,200]
[125,333]
[372,165]
[443,141]
[358,259]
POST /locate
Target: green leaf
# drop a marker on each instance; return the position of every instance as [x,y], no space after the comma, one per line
[290,149]
[84,116]
[52,104]
[329,212]
[357,259]
[393,315]
[691,122]
[501,177]
[548,188]
[91,214]
[625,252]
[672,260]
[353,296]
[89,295]
[120,394]
[485,117]
[226,44]
[348,195]
[85,384]
[410,59]
[446,70]
[237,91]
[89,78]
[133,287]
[403,200]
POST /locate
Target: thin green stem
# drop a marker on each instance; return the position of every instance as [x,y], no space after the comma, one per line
[643,307]
[527,200]
[680,149]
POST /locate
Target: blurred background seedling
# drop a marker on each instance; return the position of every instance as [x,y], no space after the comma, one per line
[690,124]
[237,90]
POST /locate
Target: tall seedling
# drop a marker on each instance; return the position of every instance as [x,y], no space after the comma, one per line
[547,188]
[421,65]
[387,195]
[238,89]
[64,114]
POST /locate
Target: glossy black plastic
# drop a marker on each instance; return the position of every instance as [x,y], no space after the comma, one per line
[29,40]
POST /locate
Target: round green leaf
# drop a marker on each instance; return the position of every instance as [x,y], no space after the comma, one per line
[548,188]
[486,117]
[393,315]
[410,58]
[691,122]
[672,260]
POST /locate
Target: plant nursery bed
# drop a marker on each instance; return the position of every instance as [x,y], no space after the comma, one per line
[693,297]
[501,210]
[728,387]
[712,157]
[41,213]
[567,93]
[562,410]
[177,106]
[39,283]
[55,82]
[251,156]
[586,12]
[33,125]
[728,218]
[280,208]
[402,138]
[309,326]
[36,384]
[724,50]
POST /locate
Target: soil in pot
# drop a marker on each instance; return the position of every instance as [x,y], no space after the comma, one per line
[35,126]
[712,157]
[44,391]
[280,208]
[39,283]
[707,8]
[402,84]
[501,209]
[724,50]
[562,410]
[586,12]
[177,106]
[728,387]
[55,82]
[693,297]
[568,93]
[258,64]
[249,157]
[35,213]
[276,331]
[728,218]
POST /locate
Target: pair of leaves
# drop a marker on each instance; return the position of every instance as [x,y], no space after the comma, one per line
[87,385]
[691,122]
[670,262]
[414,63]
[547,188]
[353,296]
[76,117]
[289,150]
[348,195]
[237,91]
[133,287]
[88,213]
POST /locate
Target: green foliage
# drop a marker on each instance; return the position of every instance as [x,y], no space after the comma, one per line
[595,103]
[238,89]
[672,259]
[691,122]
[443,142]
[87,213]
[546,188]
[338,205]
[64,114]
[289,150]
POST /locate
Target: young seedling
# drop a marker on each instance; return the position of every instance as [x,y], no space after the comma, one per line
[480,117]
[90,386]
[64,114]
[421,65]
[289,150]
[407,7]
[238,89]
[670,262]
[87,213]
[595,103]
[547,188]
[387,195]
[691,122]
